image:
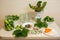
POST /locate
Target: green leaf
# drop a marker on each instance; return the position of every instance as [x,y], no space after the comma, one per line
[12,17]
[40,24]
[17,33]
[39,3]
[25,32]
[33,7]
[18,27]
[48,19]
[21,33]
[44,24]
[43,5]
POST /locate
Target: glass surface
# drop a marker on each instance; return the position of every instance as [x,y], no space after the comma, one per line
[26,17]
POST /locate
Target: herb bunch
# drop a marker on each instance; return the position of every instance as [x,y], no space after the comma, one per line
[43,23]
[40,23]
[9,22]
[39,6]
[20,32]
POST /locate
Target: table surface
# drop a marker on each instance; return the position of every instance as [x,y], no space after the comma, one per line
[56,34]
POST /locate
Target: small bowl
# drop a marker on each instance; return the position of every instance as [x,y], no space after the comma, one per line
[28,24]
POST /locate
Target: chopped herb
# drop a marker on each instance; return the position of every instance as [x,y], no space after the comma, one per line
[48,19]
[21,33]
[18,27]
[12,17]
[40,24]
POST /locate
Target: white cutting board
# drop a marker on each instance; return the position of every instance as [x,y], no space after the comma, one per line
[55,33]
